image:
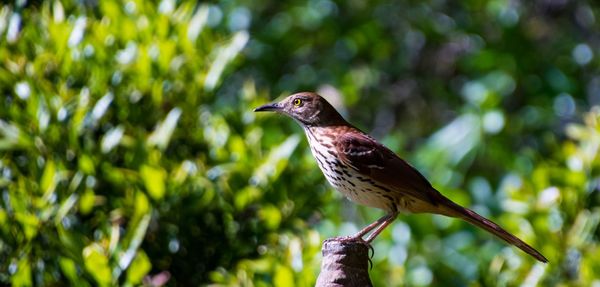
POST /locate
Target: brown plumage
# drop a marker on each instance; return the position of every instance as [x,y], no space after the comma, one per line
[369,173]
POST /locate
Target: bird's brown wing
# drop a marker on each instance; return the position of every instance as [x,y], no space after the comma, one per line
[377,162]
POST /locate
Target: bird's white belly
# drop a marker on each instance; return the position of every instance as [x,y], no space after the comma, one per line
[348,181]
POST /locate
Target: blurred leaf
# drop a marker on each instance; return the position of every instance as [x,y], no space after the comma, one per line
[69,269]
[111,139]
[12,136]
[142,205]
[29,223]
[100,108]
[3,217]
[96,263]
[276,161]
[22,276]
[283,276]
[154,180]
[246,196]
[86,202]
[65,207]
[86,164]
[133,241]
[48,181]
[197,23]
[271,216]
[162,134]
[138,269]
[224,56]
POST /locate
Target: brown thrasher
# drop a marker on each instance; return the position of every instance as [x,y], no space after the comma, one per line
[369,173]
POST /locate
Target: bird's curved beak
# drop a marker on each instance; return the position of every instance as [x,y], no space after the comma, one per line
[272,107]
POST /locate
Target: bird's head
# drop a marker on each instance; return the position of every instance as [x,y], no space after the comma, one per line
[309,109]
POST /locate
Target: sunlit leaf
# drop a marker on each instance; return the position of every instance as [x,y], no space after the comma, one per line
[283,276]
[135,236]
[29,223]
[48,180]
[224,56]
[12,137]
[271,216]
[197,23]
[65,207]
[100,107]
[97,265]
[22,276]
[3,217]
[69,269]
[111,139]
[276,160]
[154,180]
[139,268]
[142,205]
[246,196]
[162,134]
[86,164]
[86,202]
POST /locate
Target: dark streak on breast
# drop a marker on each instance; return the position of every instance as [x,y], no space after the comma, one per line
[381,187]
[319,161]
[346,173]
[320,154]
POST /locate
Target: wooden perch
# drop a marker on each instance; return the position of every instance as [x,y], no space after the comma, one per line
[345,263]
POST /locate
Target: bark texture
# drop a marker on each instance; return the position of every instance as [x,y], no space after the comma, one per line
[345,263]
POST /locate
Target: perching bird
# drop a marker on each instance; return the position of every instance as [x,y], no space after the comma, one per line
[369,173]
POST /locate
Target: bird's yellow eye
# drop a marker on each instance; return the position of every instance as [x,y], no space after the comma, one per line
[297,102]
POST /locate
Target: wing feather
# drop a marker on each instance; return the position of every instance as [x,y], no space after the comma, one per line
[377,162]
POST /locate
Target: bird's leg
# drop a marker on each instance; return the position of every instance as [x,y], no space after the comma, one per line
[368,228]
[386,221]
[358,236]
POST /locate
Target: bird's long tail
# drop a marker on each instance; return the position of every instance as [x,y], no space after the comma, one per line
[472,217]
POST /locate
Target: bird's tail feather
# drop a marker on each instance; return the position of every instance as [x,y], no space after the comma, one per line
[491,227]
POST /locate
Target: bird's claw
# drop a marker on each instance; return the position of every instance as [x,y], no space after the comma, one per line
[372,251]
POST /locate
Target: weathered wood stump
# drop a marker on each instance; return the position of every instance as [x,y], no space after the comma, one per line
[345,263]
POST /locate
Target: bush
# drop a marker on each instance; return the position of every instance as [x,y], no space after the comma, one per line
[130,154]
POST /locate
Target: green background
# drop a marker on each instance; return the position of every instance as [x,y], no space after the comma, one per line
[130,155]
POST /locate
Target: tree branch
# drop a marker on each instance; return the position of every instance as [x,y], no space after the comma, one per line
[345,263]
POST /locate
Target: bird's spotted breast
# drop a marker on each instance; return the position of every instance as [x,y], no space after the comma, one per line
[346,179]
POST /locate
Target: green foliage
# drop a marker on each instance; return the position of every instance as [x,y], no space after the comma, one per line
[130,155]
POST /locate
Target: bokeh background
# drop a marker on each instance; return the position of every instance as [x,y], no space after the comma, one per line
[130,155]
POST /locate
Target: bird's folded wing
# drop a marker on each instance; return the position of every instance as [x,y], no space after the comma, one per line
[377,162]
